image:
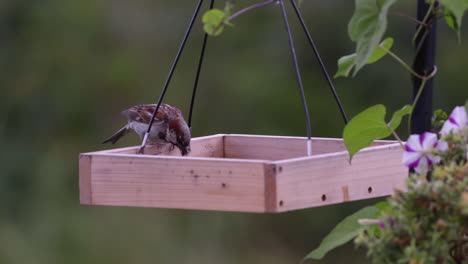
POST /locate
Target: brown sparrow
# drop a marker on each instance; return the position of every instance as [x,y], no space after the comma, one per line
[169,125]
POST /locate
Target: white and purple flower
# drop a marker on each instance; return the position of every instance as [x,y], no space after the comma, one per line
[421,151]
[457,122]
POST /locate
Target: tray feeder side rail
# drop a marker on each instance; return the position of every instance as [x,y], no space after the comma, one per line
[242,173]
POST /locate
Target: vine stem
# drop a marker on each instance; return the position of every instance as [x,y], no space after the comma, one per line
[396,136]
[400,14]
[424,80]
[424,22]
[242,11]
[401,62]
[406,66]
[416,99]
[418,95]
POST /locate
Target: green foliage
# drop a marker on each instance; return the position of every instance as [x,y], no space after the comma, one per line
[438,119]
[347,63]
[365,128]
[367,27]
[425,224]
[213,22]
[381,50]
[344,232]
[370,125]
[398,116]
[451,21]
[429,222]
[454,11]
[466,106]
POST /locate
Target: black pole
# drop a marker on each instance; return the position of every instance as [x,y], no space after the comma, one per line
[424,64]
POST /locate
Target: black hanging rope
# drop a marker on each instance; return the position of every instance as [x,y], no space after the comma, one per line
[197,76]
[295,64]
[298,76]
[319,58]
[171,72]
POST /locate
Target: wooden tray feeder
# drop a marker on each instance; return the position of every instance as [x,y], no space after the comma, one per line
[243,173]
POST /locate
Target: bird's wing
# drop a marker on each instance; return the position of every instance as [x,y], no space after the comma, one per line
[143,113]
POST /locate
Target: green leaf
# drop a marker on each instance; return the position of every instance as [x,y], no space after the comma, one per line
[367,27]
[364,128]
[213,21]
[456,9]
[398,116]
[381,50]
[452,22]
[466,107]
[345,231]
[370,125]
[346,63]
[382,206]
[438,119]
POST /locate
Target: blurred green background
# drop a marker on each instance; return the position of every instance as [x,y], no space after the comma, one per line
[67,69]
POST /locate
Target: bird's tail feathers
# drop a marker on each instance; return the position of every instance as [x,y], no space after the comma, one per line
[114,138]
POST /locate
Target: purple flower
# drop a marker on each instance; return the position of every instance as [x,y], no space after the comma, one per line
[420,151]
[457,122]
[369,222]
[391,220]
[382,224]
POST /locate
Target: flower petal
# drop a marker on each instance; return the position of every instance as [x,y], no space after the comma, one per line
[433,159]
[457,121]
[442,146]
[428,141]
[411,159]
[448,127]
[422,166]
[413,143]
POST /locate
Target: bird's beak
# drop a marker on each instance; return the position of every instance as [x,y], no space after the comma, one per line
[184,150]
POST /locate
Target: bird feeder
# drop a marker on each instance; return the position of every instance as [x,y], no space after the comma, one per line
[243,173]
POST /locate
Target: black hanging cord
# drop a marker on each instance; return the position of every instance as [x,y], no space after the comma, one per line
[319,58]
[171,72]
[197,76]
[298,76]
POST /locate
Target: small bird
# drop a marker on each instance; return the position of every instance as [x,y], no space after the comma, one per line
[169,125]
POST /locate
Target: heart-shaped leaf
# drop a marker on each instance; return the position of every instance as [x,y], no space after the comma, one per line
[370,125]
[346,63]
[454,11]
[367,27]
[451,21]
[398,116]
[381,50]
[364,128]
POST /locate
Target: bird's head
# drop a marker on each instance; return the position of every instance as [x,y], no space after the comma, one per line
[179,135]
